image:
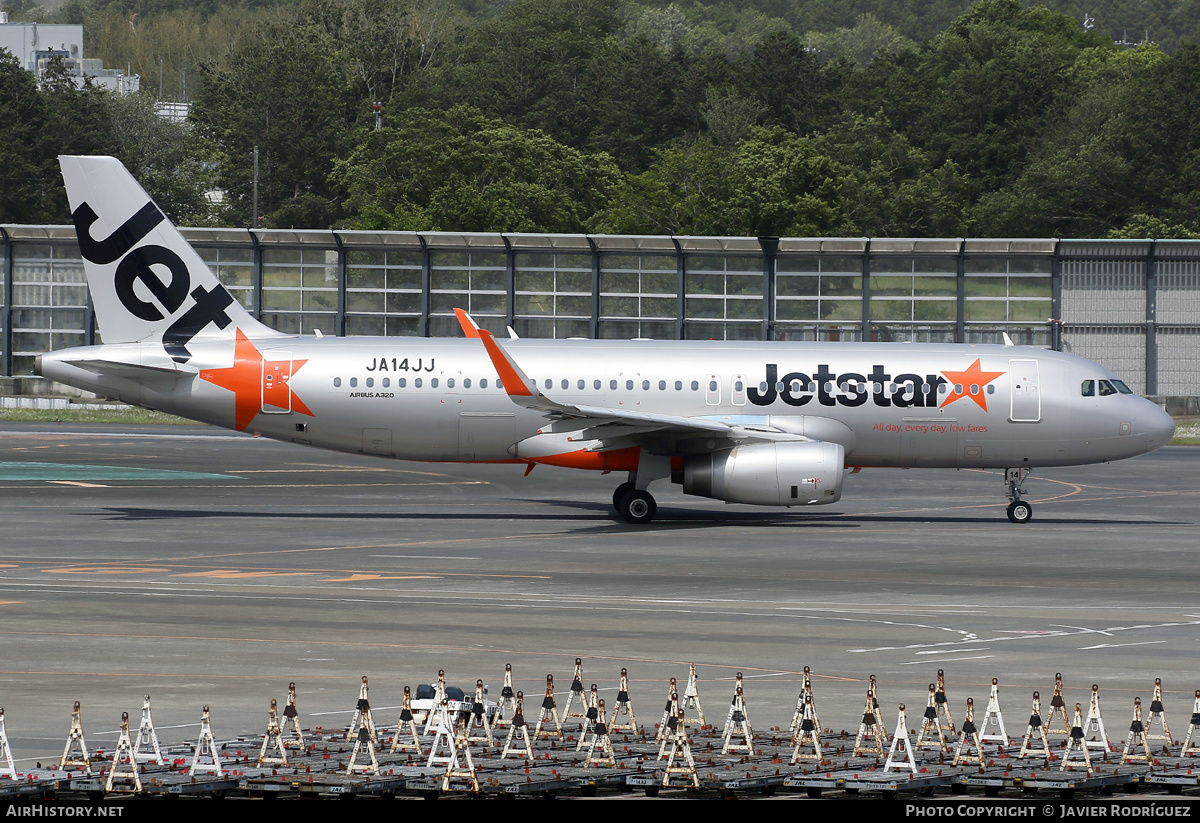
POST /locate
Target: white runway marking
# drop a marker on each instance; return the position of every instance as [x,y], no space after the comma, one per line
[1083,629]
[423,557]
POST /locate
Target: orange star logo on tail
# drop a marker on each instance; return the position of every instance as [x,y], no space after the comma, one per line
[257,382]
[963,381]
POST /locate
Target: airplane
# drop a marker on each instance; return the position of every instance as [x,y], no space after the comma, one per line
[762,423]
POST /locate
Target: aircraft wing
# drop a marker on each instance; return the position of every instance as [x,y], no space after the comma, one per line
[524,392]
[607,428]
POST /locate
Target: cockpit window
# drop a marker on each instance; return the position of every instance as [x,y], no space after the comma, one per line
[1106,388]
[1122,388]
[1088,389]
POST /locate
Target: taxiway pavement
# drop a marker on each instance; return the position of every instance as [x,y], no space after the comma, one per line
[208,568]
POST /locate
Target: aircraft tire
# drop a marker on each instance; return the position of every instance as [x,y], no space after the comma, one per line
[637,507]
[620,492]
[1020,512]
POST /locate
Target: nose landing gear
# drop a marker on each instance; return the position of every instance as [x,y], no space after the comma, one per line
[1014,481]
[1019,511]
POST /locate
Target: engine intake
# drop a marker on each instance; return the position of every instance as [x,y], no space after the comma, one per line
[768,474]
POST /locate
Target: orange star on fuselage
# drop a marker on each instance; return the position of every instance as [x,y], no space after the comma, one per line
[246,378]
[962,382]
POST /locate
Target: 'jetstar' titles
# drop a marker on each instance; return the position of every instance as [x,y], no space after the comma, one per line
[848,389]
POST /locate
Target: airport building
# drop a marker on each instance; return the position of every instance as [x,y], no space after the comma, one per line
[1133,306]
[36,45]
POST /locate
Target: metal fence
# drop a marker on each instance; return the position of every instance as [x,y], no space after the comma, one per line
[1133,306]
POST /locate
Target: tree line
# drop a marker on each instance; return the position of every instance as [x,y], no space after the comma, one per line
[770,118]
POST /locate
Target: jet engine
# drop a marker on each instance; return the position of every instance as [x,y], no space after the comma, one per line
[768,474]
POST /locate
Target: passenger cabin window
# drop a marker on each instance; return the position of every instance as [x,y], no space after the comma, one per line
[337,382]
[353,382]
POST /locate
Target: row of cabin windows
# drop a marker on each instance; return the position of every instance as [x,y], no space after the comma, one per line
[418,382]
[924,388]
[796,386]
[483,383]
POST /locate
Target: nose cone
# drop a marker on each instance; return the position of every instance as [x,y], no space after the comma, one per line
[1160,428]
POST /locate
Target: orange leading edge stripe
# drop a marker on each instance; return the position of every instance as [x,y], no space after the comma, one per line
[513,384]
[469,328]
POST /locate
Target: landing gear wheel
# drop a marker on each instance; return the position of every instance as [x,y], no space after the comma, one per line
[637,507]
[1019,511]
[620,492]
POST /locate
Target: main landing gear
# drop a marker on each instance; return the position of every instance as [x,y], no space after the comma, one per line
[635,506]
[1014,482]
[631,499]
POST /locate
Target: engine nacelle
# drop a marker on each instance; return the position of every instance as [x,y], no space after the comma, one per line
[768,474]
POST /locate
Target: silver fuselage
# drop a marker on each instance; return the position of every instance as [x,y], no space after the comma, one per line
[441,399]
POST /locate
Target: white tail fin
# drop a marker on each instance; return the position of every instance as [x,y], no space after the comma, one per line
[147,283]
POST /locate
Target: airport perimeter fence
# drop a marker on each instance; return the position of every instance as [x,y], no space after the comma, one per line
[1131,305]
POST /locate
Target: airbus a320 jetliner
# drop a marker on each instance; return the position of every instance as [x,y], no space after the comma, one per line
[771,423]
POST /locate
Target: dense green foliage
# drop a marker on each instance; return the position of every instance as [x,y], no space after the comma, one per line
[37,125]
[860,117]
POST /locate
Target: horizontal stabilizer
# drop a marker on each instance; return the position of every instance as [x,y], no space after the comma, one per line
[135,371]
